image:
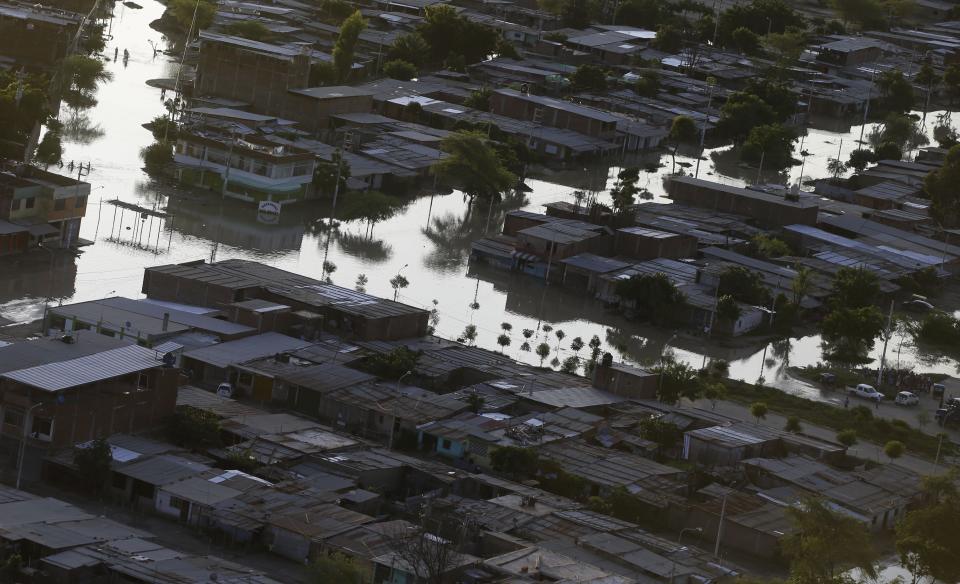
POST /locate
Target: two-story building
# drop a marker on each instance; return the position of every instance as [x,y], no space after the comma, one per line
[56,392]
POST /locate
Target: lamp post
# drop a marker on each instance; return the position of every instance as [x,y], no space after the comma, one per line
[23,441]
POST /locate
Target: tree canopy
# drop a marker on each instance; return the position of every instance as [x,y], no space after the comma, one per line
[449,34]
[941,187]
[346,44]
[653,296]
[926,536]
[473,165]
[825,543]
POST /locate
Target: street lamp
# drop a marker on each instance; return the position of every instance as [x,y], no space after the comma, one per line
[23,441]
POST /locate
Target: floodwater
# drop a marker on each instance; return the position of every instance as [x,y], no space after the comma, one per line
[428,242]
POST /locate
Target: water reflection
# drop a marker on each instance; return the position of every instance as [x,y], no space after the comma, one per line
[231,223]
[41,277]
[78,128]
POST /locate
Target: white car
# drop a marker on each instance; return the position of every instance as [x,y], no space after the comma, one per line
[865,391]
[905,398]
[225,390]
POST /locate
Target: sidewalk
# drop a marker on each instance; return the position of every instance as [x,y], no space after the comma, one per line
[865,450]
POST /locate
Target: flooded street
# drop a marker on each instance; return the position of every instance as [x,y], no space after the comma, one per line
[428,242]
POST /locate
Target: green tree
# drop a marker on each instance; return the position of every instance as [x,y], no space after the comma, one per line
[676,380]
[473,164]
[402,70]
[193,429]
[504,341]
[479,99]
[854,288]
[746,41]
[926,536]
[896,92]
[860,158]
[836,167]
[448,33]
[543,351]
[335,11]
[653,297]
[411,48]
[741,113]
[868,14]
[646,14]
[767,246]
[904,131]
[10,568]
[346,44]
[93,463]
[727,309]
[335,568]
[714,391]
[894,449]
[683,131]
[665,434]
[849,333]
[392,364]
[625,189]
[325,174]
[575,13]
[649,83]
[157,156]
[589,78]
[183,13]
[744,285]
[50,149]
[250,29]
[570,365]
[941,187]
[475,401]
[758,410]
[514,461]
[945,134]
[786,46]
[847,437]
[773,144]
[801,284]
[760,16]
[793,425]
[951,81]
[669,39]
[824,543]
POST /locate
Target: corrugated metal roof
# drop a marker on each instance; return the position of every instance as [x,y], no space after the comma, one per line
[88,369]
[234,352]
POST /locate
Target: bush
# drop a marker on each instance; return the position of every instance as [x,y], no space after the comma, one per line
[401,70]
[157,156]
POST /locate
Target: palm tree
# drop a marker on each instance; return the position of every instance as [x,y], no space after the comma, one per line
[801,284]
[836,167]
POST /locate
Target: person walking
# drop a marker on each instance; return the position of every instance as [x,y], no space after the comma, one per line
[846,402]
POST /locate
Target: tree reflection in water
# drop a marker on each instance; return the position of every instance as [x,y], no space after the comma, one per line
[79,129]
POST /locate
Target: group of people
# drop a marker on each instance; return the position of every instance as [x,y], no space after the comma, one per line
[902,379]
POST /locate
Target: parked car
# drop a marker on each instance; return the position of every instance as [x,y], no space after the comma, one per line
[225,390]
[917,305]
[905,398]
[938,389]
[948,416]
[865,391]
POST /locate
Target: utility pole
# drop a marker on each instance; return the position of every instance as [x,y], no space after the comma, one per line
[703,126]
[723,512]
[886,339]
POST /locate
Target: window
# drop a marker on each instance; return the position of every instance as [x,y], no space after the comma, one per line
[445,444]
[13,416]
[15,205]
[143,380]
[244,379]
[59,204]
[41,428]
[178,503]
[30,202]
[80,203]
